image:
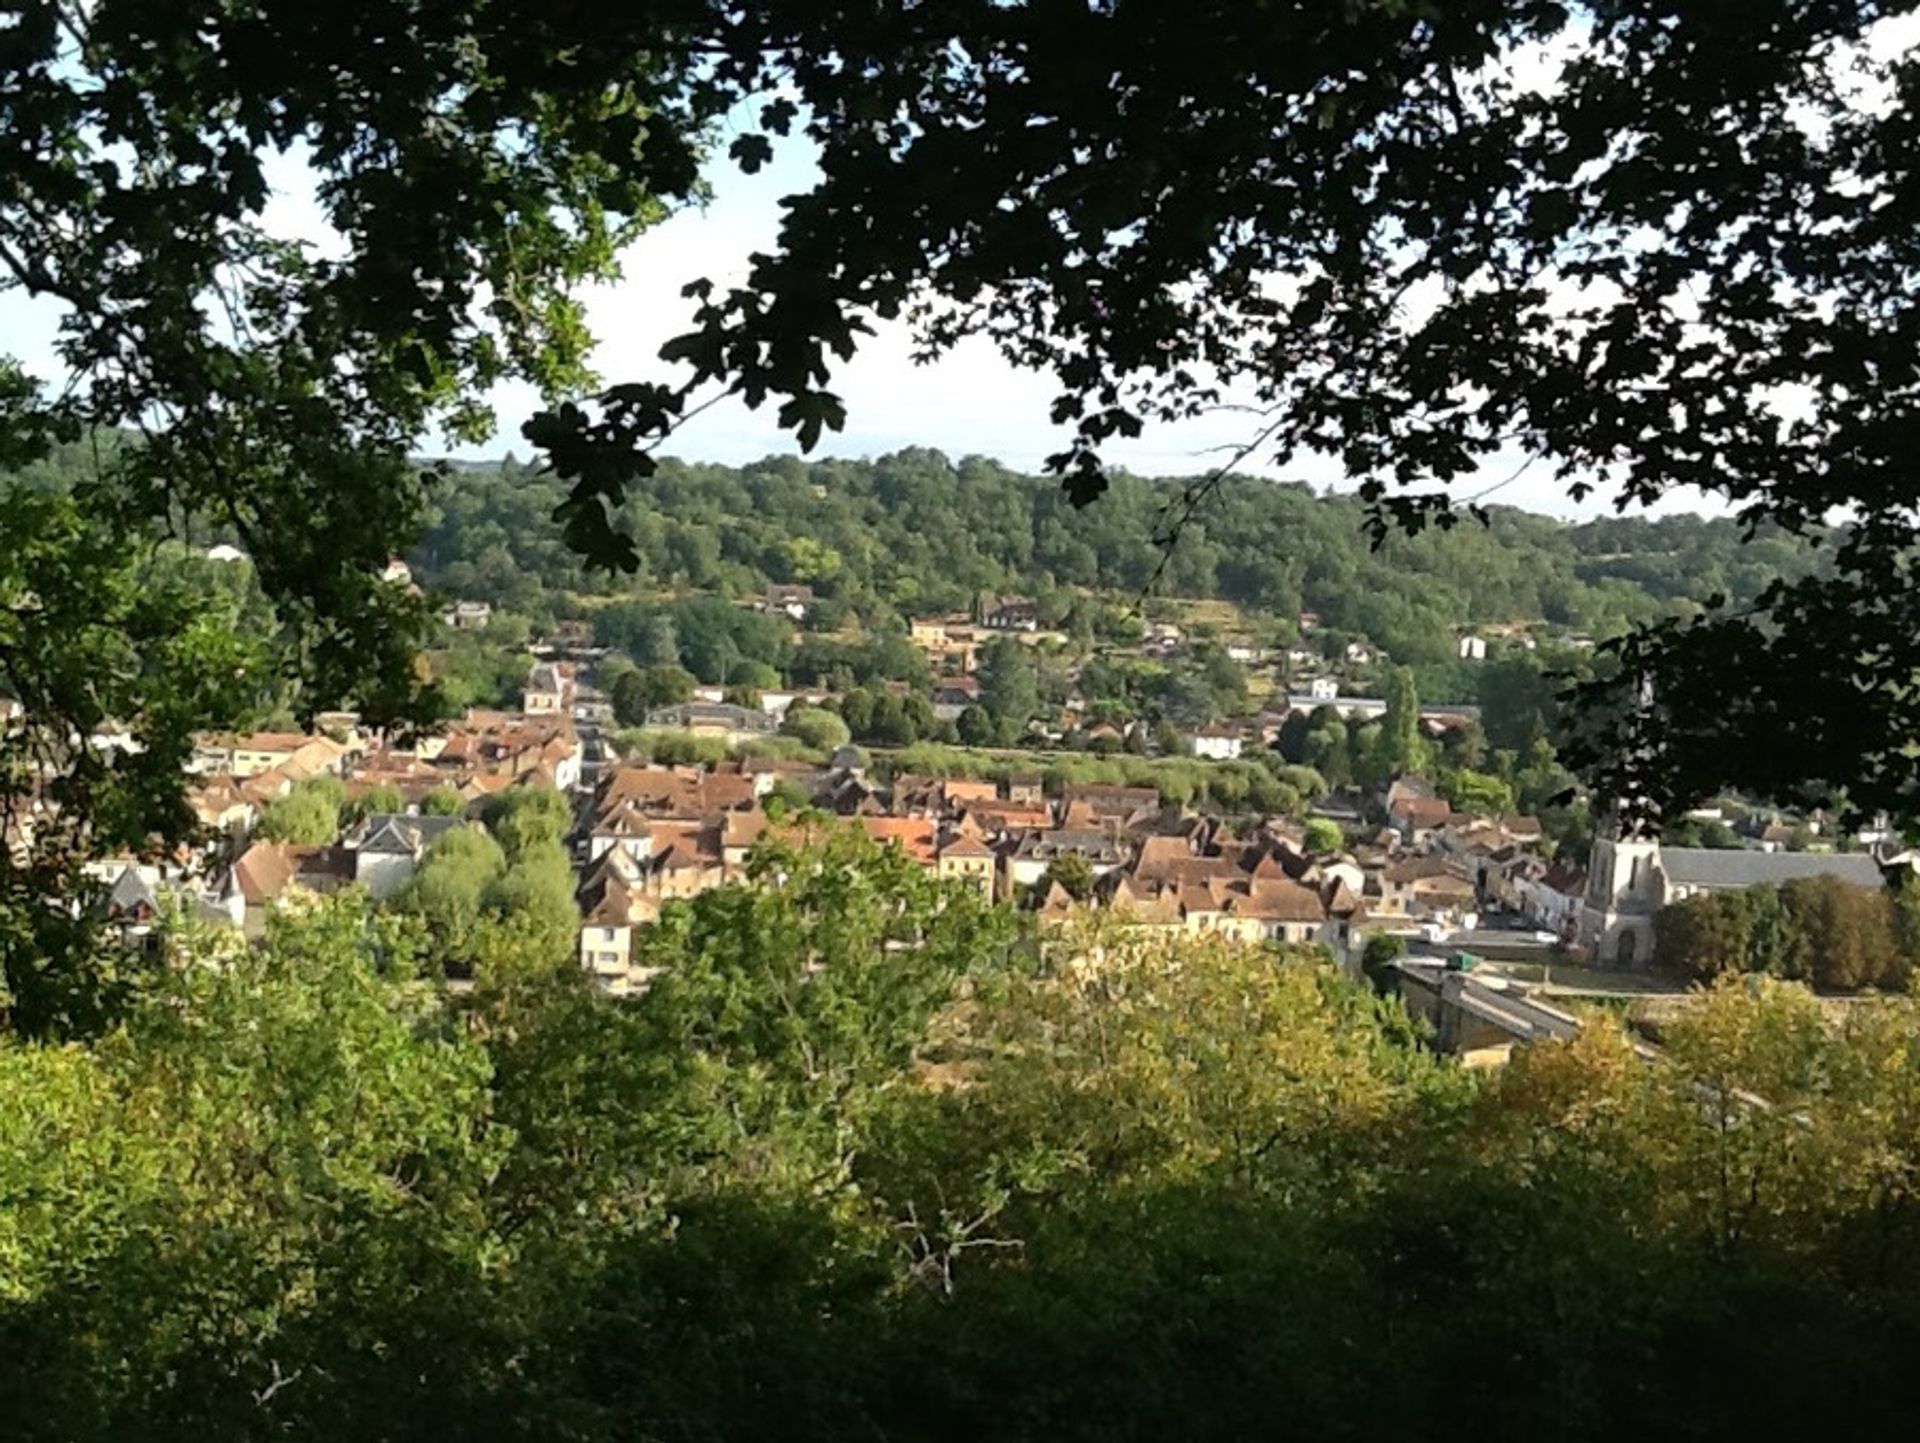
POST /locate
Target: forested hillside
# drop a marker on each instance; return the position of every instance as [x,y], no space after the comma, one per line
[916,531]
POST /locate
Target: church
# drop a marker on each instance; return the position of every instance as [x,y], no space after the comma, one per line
[1629,879]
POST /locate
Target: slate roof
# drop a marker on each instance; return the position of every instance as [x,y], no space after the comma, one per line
[1110,797]
[397,834]
[1091,843]
[711,713]
[1712,869]
[130,891]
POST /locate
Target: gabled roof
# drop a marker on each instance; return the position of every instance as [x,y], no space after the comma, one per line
[1198,897]
[1200,870]
[1338,898]
[915,793]
[399,834]
[263,871]
[1566,878]
[1082,813]
[1089,842]
[849,796]
[288,742]
[1271,869]
[1109,796]
[914,834]
[705,831]
[711,713]
[266,869]
[1159,856]
[215,796]
[1058,902]
[742,829]
[312,757]
[1422,811]
[963,845]
[606,899]
[971,789]
[672,792]
[130,893]
[1280,901]
[263,788]
[1006,816]
[1419,869]
[1144,904]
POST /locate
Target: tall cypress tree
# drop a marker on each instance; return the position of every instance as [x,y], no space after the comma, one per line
[1406,749]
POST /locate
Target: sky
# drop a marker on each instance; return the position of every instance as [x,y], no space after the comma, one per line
[969,402]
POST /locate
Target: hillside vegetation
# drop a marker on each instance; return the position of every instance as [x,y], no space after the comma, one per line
[916,531]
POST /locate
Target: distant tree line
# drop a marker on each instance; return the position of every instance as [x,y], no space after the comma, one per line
[917,532]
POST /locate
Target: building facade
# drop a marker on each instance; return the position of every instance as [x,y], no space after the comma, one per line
[1629,879]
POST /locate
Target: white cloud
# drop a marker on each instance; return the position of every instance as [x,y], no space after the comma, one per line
[971,401]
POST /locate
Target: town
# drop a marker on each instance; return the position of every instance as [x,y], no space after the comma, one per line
[1369,873]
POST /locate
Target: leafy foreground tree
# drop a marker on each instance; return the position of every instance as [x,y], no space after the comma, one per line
[869,1161]
[274,393]
[309,814]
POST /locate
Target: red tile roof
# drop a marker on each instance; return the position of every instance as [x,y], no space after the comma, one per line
[914,834]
